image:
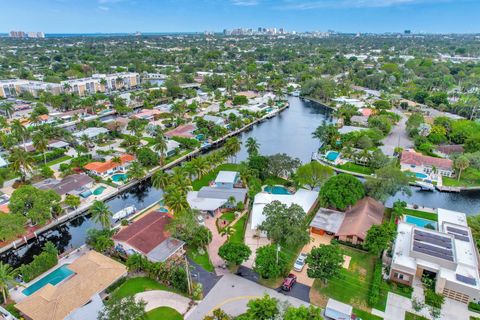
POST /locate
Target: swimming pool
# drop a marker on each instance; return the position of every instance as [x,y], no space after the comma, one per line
[421,175]
[420,222]
[163,209]
[54,277]
[276,190]
[119,177]
[332,155]
[99,190]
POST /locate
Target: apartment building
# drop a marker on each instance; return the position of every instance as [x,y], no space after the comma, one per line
[11,88]
[102,83]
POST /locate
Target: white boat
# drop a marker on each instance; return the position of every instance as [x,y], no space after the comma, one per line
[296,93]
[426,185]
[125,212]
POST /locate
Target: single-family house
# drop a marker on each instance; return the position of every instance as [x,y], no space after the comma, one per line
[227,179]
[91,133]
[418,163]
[148,236]
[447,151]
[104,169]
[359,219]
[172,147]
[215,119]
[326,221]
[183,131]
[213,199]
[91,275]
[73,184]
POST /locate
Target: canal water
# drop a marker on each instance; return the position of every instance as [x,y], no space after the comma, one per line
[290,132]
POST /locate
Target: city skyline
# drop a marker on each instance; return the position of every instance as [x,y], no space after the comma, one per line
[128,16]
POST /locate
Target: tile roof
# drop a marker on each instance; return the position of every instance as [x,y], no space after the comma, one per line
[452,148]
[94,272]
[358,219]
[417,159]
[101,167]
[185,131]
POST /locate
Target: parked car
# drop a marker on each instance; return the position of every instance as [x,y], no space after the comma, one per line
[201,220]
[300,262]
[289,281]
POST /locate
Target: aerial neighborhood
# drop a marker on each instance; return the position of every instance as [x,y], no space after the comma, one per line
[250,174]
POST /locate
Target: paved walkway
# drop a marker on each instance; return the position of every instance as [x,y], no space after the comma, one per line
[217,241]
[232,294]
[159,298]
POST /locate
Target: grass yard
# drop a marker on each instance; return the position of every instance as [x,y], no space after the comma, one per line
[177,155]
[164,313]
[357,279]
[349,166]
[470,177]
[140,284]
[422,214]
[239,226]
[228,216]
[58,160]
[364,315]
[205,180]
[412,316]
[201,259]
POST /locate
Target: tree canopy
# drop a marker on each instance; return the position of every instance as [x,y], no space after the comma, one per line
[341,191]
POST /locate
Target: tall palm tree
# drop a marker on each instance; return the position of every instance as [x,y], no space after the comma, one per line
[21,162]
[7,278]
[201,166]
[101,214]
[40,142]
[160,145]
[136,171]
[19,131]
[175,199]
[8,109]
[252,146]
[87,141]
[233,146]
[160,179]
[227,231]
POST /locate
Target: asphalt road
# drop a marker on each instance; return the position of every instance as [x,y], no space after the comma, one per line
[398,137]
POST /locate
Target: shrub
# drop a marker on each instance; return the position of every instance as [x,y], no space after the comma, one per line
[41,263]
[374,293]
[473,306]
[434,299]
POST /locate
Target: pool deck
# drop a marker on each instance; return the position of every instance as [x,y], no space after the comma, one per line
[16,293]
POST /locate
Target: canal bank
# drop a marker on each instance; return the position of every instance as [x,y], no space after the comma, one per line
[289,132]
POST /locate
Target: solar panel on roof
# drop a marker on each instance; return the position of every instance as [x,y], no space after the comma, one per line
[459,237]
[459,231]
[433,254]
[444,242]
[465,279]
[433,248]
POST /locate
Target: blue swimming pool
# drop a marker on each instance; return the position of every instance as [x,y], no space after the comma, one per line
[420,222]
[54,277]
[276,190]
[421,175]
[163,209]
[99,190]
[332,155]
[119,177]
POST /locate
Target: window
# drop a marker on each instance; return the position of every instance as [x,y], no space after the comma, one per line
[401,276]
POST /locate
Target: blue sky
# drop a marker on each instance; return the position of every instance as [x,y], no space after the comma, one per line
[86,16]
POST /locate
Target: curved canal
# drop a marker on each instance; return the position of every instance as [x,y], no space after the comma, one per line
[288,132]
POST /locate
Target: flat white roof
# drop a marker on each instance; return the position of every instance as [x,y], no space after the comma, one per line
[338,306]
[226,177]
[204,204]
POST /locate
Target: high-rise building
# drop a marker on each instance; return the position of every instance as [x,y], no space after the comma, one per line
[30,34]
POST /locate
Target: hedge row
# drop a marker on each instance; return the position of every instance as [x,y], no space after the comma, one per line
[50,156]
[374,293]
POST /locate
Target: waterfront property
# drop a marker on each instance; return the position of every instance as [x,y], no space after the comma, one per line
[448,255]
[110,167]
[53,278]
[418,163]
[74,184]
[326,221]
[92,274]
[148,236]
[227,179]
[183,131]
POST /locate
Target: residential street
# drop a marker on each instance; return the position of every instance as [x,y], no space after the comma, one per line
[398,137]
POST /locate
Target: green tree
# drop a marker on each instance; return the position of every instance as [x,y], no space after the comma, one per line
[379,237]
[252,146]
[35,204]
[147,157]
[21,162]
[265,308]
[387,182]
[303,313]
[240,100]
[218,314]
[101,214]
[7,108]
[341,191]
[382,105]
[100,240]
[398,209]
[327,134]
[7,278]
[461,163]
[175,199]
[136,171]
[232,146]
[313,175]
[160,145]
[123,308]
[72,201]
[160,179]
[285,225]
[324,262]
[234,253]
[282,165]
[11,225]
[270,263]
[346,112]
[40,142]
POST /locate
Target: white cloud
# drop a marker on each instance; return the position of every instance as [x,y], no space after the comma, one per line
[103,8]
[315,4]
[245,3]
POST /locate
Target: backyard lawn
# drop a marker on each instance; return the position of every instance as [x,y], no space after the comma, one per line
[201,259]
[58,160]
[364,315]
[470,177]
[205,180]
[140,284]
[349,166]
[239,227]
[164,313]
[422,214]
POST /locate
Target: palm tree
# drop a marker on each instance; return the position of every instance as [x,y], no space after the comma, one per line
[19,131]
[116,160]
[40,142]
[136,171]
[7,278]
[227,231]
[175,199]
[8,109]
[201,166]
[160,145]
[233,146]
[252,146]
[160,179]
[461,163]
[21,162]
[87,141]
[101,214]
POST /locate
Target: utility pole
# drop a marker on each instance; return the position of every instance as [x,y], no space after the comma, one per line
[278,250]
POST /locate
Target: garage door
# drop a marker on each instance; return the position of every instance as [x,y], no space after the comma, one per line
[455,295]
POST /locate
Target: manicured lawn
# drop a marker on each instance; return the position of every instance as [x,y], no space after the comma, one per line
[365,315]
[164,313]
[57,161]
[205,180]
[176,156]
[352,285]
[421,214]
[470,177]
[201,259]
[140,284]
[349,166]
[239,226]
[228,216]
[272,180]
[412,316]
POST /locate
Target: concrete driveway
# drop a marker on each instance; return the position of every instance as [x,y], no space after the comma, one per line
[316,240]
[398,137]
[253,242]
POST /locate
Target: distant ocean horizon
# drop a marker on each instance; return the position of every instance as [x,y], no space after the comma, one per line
[101,34]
